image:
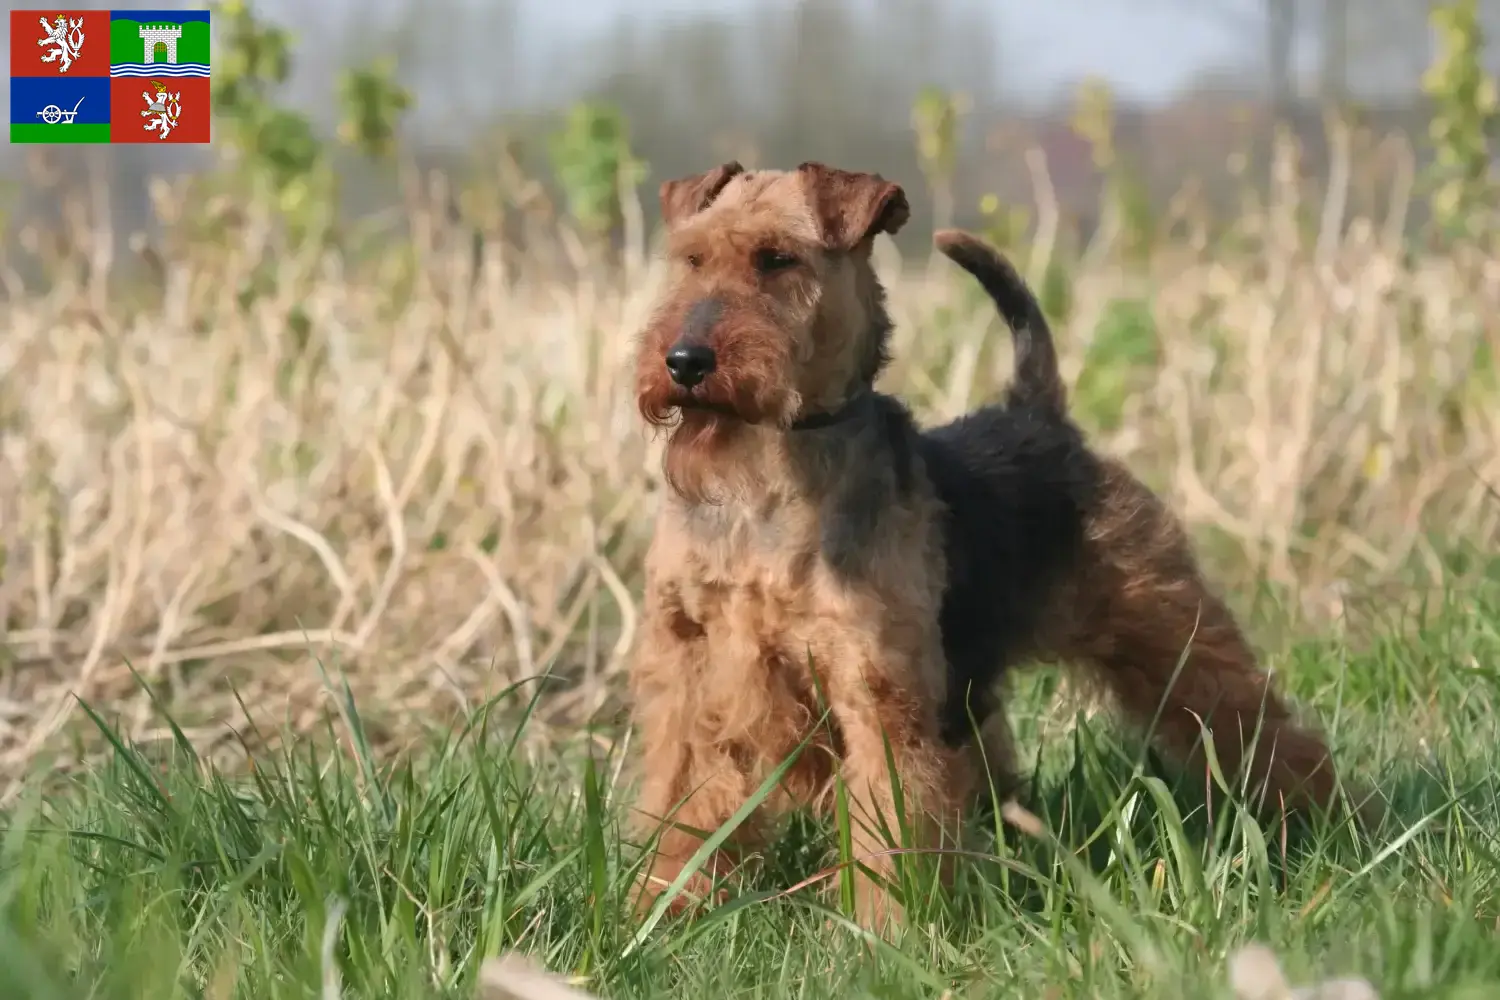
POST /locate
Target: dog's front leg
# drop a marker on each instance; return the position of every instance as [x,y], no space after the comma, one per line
[904,785]
[691,784]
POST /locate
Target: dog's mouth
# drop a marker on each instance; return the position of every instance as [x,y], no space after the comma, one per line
[699,400]
[713,400]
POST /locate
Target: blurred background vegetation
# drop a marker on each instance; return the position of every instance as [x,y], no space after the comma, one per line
[566,90]
[359,360]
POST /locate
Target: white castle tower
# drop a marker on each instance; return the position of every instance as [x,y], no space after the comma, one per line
[167,34]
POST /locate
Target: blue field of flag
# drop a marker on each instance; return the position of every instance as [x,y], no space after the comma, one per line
[59,101]
[161,14]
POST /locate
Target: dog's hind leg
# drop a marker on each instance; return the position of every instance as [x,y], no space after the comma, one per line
[1171,652]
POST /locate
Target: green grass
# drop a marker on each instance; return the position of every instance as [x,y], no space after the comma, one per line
[156,876]
[41,132]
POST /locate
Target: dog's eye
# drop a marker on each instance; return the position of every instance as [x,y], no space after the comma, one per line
[695,260]
[769,261]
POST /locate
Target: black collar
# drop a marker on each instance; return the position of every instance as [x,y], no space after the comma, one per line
[816,421]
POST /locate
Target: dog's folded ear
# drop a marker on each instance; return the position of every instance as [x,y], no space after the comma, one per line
[852,207]
[687,196]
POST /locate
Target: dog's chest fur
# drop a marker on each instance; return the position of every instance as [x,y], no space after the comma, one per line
[829,516]
[751,562]
[795,582]
[826,564]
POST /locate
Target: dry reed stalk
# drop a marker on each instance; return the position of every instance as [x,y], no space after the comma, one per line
[430,476]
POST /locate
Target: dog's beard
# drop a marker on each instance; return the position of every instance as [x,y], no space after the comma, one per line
[701,424]
[692,459]
[664,403]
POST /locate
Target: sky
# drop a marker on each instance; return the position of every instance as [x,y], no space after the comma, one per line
[1148,49]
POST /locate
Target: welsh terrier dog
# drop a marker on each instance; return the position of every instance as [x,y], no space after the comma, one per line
[816,548]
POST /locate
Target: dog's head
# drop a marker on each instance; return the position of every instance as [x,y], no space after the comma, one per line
[772,312]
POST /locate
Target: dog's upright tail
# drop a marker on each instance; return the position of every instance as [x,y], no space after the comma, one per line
[1037,380]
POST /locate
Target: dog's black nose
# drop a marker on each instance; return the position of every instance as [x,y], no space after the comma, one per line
[690,364]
